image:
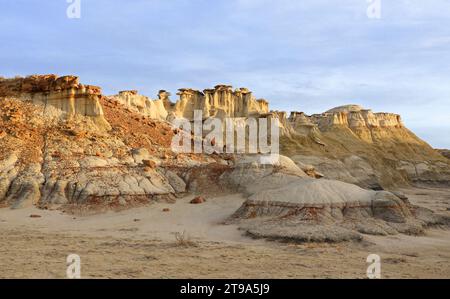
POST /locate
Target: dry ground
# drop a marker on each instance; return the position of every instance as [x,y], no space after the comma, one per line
[141,243]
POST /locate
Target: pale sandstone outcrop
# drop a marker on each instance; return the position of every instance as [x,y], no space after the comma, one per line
[164,96]
[49,161]
[64,93]
[346,109]
[219,102]
[152,108]
[347,143]
[356,145]
[365,124]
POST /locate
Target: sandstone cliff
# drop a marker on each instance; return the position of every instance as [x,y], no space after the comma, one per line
[64,93]
[219,102]
[368,126]
[152,108]
[347,143]
[53,162]
[356,145]
[54,153]
[74,164]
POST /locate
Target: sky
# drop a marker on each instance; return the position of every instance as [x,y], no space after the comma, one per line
[309,55]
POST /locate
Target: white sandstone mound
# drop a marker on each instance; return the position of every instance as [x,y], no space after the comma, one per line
[285,206]
[311,192]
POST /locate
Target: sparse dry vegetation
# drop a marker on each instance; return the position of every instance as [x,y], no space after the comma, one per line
[184,240]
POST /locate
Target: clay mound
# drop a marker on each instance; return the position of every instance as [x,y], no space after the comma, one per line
[250,176]
[311,192]
[302,209]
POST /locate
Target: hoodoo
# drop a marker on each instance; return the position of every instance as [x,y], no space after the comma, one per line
[65,144]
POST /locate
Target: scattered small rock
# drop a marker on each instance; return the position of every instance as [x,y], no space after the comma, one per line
[149,163]
[166,210]
[137,220]
[400,195]
[35,216]
[198,200]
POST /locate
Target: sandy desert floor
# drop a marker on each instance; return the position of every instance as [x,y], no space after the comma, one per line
[141,243]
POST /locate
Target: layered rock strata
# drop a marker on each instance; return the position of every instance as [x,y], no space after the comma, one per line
[221,102]
[51,161]
[154,109]
[356,145]
[47,120]
[65,93]
[285,205]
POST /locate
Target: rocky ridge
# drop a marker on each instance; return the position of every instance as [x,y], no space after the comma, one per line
[65,145]
[52,155]
[221,101]
[65,93]
[370,149]
[348,143]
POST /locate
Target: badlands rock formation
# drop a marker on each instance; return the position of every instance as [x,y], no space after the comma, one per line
[154,109]
[358,146]
[65,145]
[56,152]
[348,143]
[284,204]
[64,93]
[219,102]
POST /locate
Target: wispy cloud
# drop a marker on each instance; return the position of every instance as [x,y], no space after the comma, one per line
[301,55]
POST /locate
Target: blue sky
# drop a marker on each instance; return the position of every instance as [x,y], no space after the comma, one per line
[308,55]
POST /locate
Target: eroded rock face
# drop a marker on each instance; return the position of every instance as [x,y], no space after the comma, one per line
[365,124]
[152,108]
[49,161]
[221,102]
[443,152]
[347,143]
[283,206]
[164,96]
[355,145]
[64,93]
[352,169]
[63,142]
